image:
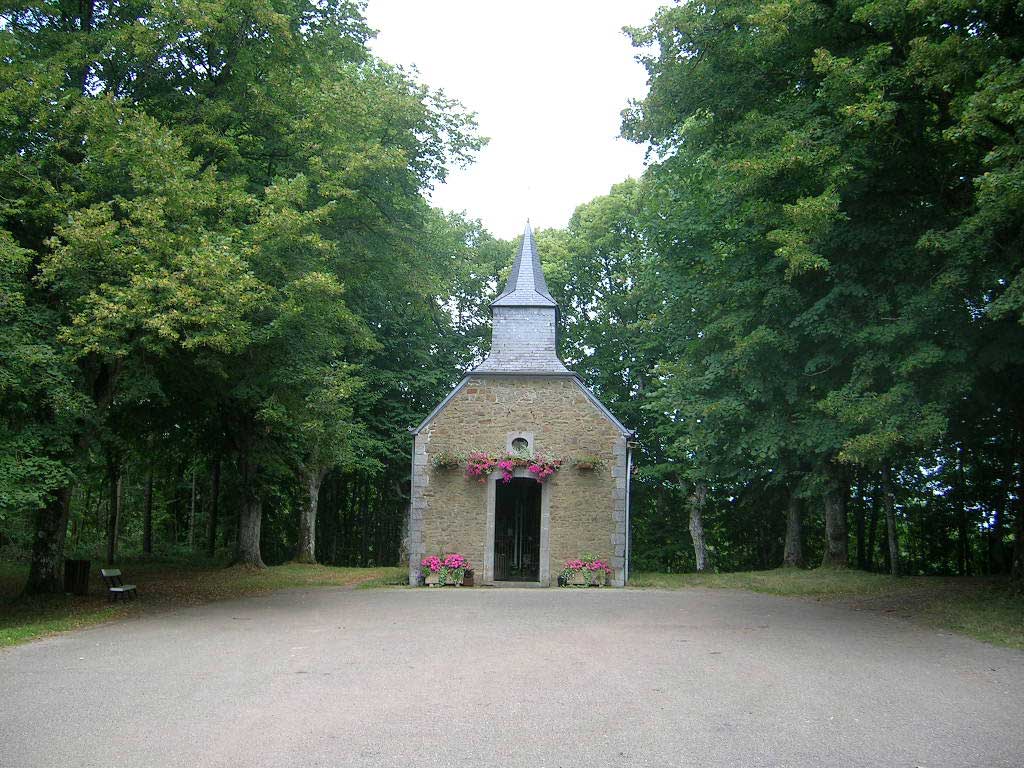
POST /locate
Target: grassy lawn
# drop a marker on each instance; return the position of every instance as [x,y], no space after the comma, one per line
[986,609]
[162,585]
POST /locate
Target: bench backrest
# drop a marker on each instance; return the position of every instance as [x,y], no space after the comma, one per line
[112,576]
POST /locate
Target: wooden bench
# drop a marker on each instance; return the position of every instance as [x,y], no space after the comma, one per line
[116,588]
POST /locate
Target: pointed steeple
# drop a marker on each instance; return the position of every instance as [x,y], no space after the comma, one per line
[526,286]
[525,318]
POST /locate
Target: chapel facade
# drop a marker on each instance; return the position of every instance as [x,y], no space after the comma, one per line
[522,398]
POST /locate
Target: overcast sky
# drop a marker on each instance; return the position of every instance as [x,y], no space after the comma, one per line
[547,80]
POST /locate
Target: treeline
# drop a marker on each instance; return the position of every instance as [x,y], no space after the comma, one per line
[811,303]
[224,297]
[220,285]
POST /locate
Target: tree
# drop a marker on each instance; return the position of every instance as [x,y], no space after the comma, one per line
[807,160]
[178,182]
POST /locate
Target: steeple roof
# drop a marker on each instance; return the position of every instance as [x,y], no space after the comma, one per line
[524,331]
[526,286]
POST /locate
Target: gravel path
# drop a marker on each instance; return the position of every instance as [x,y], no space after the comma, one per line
[511,677]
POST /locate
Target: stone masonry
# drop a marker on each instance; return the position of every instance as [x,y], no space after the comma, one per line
[587,508]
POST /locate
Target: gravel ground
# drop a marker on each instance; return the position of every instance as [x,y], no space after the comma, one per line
[511,677]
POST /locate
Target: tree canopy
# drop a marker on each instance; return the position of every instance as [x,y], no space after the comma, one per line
[225,297]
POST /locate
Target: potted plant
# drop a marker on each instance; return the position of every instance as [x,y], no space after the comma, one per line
[588,462]
[446,460]
[449,571]
[586,571]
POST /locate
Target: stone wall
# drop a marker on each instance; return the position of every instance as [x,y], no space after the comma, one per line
[586,510]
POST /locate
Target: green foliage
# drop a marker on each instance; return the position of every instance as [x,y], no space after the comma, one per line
[216,260]
[213,244]
[833,217]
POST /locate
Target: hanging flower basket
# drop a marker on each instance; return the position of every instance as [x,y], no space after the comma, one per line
[588,463]
[480,465]
[446,460]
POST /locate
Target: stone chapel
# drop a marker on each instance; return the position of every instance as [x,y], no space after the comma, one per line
[522,398]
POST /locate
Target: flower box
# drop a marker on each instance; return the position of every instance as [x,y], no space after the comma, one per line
[434,580]
[579,579]
[586,571]
[480,465]
[447,571]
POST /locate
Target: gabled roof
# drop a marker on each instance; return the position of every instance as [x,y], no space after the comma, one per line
[526,286]
[624,431]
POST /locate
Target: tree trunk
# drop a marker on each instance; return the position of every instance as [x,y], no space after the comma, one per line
[147,515]
[1017,570]
[192,514]
[861,525]
[963,544]
[963,550]
[873,530]
[211,521]
[700,549]
[175,505]
[114,512]
[307,516]
[837,543]
[890,520]
[994,542]
[793,556]
[364,519]
[46,572]
[1017,565]
[250,515]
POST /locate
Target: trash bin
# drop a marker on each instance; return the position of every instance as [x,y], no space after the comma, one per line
[76,577]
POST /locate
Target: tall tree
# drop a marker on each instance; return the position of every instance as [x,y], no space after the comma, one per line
[808,160]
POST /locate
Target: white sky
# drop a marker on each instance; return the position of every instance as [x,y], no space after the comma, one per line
[547,80]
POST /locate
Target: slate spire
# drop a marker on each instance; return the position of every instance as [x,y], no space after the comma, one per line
[526,286]
[525,320]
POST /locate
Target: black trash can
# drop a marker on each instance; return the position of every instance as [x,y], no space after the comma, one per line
[76,577]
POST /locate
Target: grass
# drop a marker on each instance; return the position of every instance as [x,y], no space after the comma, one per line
[162,586]
[986,609]
[789,582]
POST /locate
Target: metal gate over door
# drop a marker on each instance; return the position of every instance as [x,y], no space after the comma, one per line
[517,530]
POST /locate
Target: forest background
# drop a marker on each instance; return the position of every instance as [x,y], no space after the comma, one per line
[224,297]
